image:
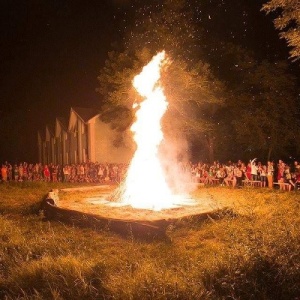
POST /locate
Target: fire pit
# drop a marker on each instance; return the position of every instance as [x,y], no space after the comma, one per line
[89,207]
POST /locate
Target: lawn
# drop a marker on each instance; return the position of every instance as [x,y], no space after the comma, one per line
[251,250]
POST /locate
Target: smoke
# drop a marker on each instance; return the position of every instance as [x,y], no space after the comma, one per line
[175,156]
[113,146]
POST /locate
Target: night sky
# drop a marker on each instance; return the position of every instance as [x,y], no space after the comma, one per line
[52,51]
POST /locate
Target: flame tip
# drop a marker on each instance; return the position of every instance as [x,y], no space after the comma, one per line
[145,183]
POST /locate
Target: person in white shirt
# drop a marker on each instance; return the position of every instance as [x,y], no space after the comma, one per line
[254,169]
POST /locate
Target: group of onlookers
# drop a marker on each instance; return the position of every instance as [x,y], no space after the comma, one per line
[235,174]
[255,173]
[86,172]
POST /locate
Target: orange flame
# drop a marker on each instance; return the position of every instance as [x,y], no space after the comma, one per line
[145,184]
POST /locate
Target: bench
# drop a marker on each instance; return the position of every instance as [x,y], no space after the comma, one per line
[251,182]
[215,181]
[286,186]
[230,182]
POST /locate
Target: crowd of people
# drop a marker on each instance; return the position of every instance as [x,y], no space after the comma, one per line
[86,172]
[235,174]
[255,173]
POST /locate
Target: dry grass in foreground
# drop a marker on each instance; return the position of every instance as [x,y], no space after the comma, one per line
[252,251]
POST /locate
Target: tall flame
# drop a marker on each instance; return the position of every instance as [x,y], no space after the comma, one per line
[145,183]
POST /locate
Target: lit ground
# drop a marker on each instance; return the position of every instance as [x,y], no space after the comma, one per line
[93,200]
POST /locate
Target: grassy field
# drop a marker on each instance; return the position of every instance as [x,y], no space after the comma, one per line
[250,251]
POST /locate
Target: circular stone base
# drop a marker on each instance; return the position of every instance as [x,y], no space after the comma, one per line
[88,206]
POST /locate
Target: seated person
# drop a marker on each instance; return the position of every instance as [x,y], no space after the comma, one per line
[288,177]
[297,180]
[229,178]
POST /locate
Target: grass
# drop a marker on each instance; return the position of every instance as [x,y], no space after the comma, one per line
[252,251]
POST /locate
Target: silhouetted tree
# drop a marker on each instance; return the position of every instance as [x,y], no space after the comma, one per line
[287,22]
[264,106]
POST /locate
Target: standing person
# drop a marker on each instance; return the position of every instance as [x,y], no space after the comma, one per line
[238,175]
[270,173]
[30,172]
[107,172]
[46,173]
[116,172]
[100,173]
[59,173]
[254,169]
[280,171]
[4,173]
[248,171]
[51,167]
[259,168]
[21,172]
[35,172]
[16,172]
[66,172]
[54,173]
[263,175]
[25,171]
[9,172]
[280,174]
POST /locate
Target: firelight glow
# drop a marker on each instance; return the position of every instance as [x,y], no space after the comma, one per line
[145,185]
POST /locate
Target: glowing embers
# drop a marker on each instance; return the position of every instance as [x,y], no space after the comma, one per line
[145,185]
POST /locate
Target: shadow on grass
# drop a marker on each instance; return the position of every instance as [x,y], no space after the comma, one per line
[259,278]
[63,278]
